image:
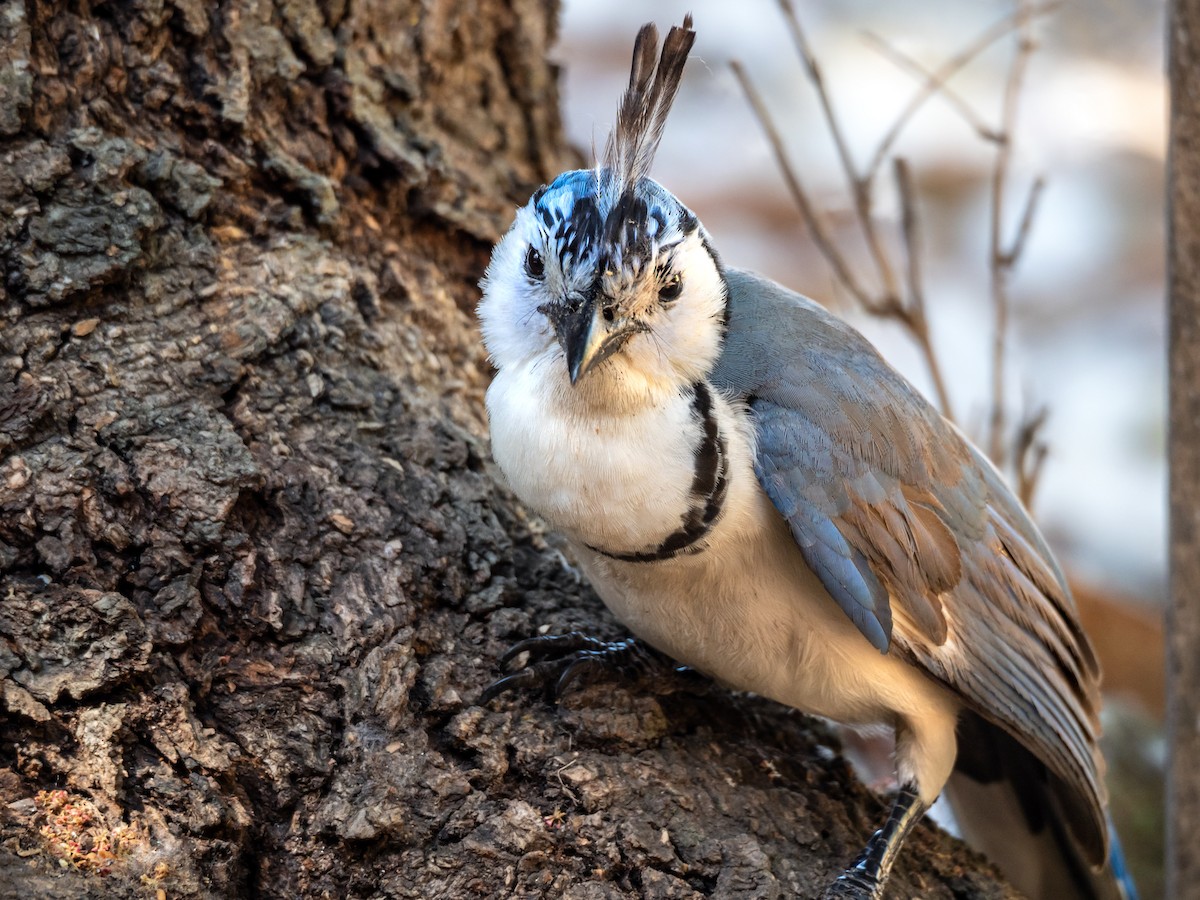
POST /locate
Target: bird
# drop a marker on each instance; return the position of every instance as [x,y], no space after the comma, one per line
[758,496]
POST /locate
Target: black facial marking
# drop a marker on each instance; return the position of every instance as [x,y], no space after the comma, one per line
[572,234]
[687,222]
[576,236]
[626,226]
[710,484]
[708,247]
[725,310]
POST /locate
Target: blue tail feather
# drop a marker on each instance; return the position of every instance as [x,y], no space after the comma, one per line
[1116,862]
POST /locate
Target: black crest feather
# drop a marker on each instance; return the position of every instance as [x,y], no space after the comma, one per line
[642,114]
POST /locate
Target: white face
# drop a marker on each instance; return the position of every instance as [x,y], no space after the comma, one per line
[614,294]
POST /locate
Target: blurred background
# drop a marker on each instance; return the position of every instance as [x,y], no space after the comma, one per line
[1087,315]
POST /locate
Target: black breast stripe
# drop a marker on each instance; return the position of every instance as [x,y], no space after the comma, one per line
[710,483]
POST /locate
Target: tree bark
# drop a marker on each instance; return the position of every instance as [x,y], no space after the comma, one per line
[254,563]
[1183,628]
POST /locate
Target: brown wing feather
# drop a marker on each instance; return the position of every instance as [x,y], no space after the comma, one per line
[1017,648]
[974,595]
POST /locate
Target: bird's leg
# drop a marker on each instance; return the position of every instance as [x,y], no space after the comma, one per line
[865,879]
[557,661]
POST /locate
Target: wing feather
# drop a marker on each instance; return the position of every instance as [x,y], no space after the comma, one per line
[915,535]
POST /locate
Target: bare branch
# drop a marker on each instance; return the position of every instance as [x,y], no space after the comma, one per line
[816,227]
[860,187]
[916,318]
[1013,255]
[935,81]
[1029,454]
[1000,261]
[908,221]
[813,68]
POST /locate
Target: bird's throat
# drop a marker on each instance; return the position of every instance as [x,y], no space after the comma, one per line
[710,484]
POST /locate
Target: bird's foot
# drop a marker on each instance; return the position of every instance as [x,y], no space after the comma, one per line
[855,884]
[864,880]
[557,661]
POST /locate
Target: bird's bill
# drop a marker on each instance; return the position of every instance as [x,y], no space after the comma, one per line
[588,337]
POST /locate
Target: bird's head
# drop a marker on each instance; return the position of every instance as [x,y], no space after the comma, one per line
[604,272]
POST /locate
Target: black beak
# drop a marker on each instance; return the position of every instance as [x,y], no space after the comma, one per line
[590,333]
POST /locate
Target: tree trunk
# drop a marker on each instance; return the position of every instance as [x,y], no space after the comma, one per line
[1183,645]
[254,563]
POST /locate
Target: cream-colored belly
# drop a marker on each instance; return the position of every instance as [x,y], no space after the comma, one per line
[749,612]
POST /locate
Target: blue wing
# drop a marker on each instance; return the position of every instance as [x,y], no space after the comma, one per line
[914,533]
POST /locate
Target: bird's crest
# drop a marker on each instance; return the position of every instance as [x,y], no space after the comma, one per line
[645,105]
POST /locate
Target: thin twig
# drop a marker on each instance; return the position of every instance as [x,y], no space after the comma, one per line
[813,68]
[1001,262]
[935,81]
[1013,255]
[816,227]
[1029,454]
[933,84]
[860,188]
[917,320]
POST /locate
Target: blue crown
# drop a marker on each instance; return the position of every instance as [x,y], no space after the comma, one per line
[589,216]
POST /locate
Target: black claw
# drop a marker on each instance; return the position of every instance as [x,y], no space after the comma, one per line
[545,644]
[585,668]
[556,662]
[508,683]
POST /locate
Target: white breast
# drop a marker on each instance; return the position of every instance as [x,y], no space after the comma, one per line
[619,479]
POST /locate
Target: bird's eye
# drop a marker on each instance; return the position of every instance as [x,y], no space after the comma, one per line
[535,266]
[671,288]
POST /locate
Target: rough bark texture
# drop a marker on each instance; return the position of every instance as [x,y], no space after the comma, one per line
[1183,644]
[254,564]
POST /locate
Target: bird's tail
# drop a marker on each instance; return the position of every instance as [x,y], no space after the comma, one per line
[1005,808]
